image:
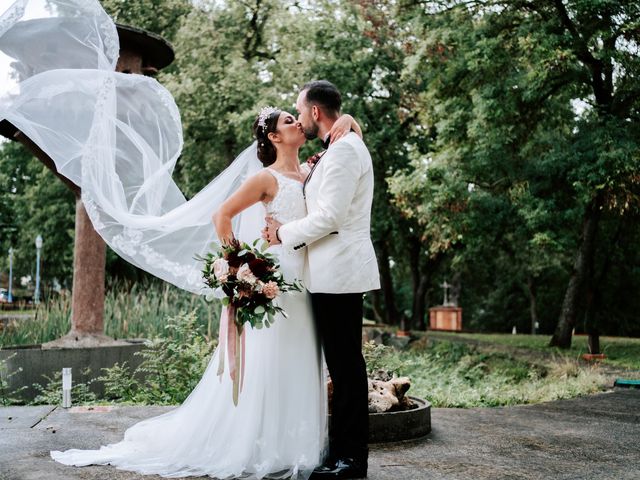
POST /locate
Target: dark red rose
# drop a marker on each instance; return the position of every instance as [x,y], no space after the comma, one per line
[233,259]
[259,267]
[248,257]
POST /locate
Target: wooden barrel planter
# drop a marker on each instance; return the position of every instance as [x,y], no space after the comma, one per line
[401,425]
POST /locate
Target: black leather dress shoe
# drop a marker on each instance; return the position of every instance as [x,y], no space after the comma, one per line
[343,468]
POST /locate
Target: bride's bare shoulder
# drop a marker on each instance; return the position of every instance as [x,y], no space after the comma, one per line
[264,182]
[263,177]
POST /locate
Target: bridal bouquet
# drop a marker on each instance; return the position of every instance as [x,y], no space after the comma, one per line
[251,282]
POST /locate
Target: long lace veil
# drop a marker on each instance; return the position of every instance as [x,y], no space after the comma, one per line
[117,136]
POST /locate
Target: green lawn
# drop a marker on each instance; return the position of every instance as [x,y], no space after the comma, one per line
[621,352]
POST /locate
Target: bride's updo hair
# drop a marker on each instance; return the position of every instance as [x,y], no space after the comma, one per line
[265,124]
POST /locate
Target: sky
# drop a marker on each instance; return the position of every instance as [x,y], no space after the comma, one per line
[5,82]
[35,9]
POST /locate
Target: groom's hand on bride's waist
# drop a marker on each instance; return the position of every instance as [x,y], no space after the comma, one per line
[270,232]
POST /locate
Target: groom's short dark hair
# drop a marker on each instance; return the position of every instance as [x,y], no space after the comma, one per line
[324,94]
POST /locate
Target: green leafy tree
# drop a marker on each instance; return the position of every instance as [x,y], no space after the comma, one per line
[33,203]
[231,59]
[502,82]
[162,17]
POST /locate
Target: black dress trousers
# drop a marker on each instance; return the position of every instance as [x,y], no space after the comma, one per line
[339,322]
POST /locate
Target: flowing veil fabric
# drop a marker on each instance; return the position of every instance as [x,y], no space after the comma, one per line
[118,137]
[115,135]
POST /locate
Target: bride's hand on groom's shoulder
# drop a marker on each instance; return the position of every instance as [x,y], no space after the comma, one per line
[344,125]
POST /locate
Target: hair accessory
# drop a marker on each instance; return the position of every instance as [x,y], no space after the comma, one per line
[265,113]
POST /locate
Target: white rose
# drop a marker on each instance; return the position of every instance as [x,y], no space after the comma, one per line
[246,275]
[221,269]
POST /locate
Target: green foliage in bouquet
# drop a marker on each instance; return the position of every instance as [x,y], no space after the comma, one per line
[250,279]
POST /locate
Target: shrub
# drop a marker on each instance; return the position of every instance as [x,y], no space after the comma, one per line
[8,397]
[51,392]
[171,368]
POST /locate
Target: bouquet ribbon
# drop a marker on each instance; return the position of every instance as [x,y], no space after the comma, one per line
[232,343]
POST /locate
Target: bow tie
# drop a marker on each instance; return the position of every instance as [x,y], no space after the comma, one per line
[325,143]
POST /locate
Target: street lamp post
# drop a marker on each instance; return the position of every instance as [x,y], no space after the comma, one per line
[9,295]
[36,296]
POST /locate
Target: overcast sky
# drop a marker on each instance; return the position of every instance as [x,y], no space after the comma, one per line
[35,9]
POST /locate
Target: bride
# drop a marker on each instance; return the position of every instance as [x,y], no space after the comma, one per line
[279,427]
[118,137]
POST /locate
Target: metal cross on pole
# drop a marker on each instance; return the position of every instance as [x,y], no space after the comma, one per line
[446,286]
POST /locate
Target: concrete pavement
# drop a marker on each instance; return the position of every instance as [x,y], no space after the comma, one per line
[594,437]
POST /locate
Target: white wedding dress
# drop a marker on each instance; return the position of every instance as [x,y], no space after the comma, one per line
[278,429]
[118,136]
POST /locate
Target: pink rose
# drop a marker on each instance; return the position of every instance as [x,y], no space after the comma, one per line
[221,269]
[246,275]
[271,290]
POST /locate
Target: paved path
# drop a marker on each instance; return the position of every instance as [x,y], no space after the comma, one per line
[596,437]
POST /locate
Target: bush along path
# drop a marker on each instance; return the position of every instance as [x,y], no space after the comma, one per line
[466,374]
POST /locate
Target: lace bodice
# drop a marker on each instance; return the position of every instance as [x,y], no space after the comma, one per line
[288,204]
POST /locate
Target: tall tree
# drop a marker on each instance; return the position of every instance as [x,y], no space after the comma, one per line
[502,83]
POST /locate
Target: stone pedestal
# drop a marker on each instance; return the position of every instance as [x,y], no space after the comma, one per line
[445,318]
[31,364]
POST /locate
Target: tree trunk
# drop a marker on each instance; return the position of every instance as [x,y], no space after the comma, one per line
[531,289]
[376,306]
[456,289]
[386,285]
[594,341]
[87,294]
[590,308]
[420,304]
[568,315]
[594,292]
[414,268]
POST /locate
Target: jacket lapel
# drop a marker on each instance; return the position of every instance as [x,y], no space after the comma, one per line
[306,180]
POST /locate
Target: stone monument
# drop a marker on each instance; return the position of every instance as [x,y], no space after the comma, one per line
[448,316]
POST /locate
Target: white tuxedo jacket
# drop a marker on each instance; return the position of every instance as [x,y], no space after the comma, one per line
[336,230]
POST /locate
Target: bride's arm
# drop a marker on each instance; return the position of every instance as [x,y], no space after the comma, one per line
[256,189]
[344,125]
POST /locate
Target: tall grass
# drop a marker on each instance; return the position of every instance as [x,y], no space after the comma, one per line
[137,310]
[140,310]
[50,320]
[458,375]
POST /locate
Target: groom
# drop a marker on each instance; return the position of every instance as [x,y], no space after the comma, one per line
[341,266]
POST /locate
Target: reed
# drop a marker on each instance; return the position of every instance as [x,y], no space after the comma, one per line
[132,310]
